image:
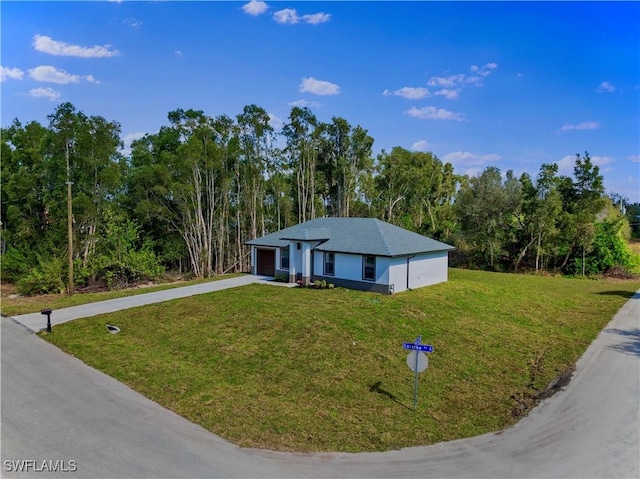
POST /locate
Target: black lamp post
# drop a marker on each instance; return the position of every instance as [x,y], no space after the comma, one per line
[47,311]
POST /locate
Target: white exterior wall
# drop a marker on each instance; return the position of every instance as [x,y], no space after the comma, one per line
[424,269]
[428,269]
[349,266]
[398,273]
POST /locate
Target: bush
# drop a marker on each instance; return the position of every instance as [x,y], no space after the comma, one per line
[609,249]
[47,277]
[281,277]
[16,263]
[130,268]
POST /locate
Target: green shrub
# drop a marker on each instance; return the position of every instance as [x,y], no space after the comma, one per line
[47,277]
[281,277]
[608,249]
[16,263]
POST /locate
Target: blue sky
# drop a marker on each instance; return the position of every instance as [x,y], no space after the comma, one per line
[505,84]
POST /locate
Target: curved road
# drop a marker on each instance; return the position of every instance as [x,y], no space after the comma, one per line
[55,408]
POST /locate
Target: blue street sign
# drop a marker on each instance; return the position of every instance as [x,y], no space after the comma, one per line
[418,347]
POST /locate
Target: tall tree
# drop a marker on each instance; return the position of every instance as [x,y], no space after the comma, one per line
[416,190]
[302,153]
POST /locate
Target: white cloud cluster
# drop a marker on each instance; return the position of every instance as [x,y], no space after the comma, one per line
[12,73]
[47,92]
[634,158]
[128,139]
[433,113]
[318,87]
[275,122]
[255,8]
[471,163]
[452,85]
[585,125]
[46,44]
[409,92]
[605,86]
[290,16]
[305,104]
[420,145]
[566,164]
[286,15]
[50,74]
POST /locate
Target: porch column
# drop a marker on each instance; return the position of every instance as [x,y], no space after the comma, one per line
[306,263]
[292,262]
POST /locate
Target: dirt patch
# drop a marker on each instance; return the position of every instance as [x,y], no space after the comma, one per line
[530,398]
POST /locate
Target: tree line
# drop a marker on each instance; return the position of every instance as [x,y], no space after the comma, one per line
[188,197]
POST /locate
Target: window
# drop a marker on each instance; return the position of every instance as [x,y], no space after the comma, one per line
[369,268]
[329,264]
[284,258]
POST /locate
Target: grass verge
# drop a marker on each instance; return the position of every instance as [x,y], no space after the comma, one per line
[324,370]
[12,306]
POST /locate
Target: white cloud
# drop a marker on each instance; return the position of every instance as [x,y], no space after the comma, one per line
[605,86]
[178,53]
[585,125]
[132,22]
[409,92]
[46,44]
[13,73]
[128,139]
[448,93]
[274,121]
[471,162]
[287,15]
[316,18]
[49,93]
[50,74]
[452,85]
[601,160]
[290,16]
[318,87]
[420,145]
[433,113]
[254,8]
[566,164]
[450,81]
[305,103]
[635,158]
[487,69]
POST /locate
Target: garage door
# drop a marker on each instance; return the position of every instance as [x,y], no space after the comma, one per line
[266,262]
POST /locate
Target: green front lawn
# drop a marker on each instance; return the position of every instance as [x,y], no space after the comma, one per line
[324,370]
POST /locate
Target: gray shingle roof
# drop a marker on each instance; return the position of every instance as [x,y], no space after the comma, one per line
[355,235]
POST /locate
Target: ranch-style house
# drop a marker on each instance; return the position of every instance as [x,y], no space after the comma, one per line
[358,253]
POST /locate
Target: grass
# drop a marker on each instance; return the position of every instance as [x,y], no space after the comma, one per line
[324,370]
[12,306]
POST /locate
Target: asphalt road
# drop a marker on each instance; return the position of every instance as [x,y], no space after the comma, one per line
[55,408]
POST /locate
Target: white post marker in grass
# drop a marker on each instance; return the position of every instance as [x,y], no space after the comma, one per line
[417,362]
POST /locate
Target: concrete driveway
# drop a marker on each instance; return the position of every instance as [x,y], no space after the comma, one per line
[38,322]
[55,408]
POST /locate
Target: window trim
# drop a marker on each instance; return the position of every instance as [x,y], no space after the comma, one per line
[364,266]
[282,257]
[325,256]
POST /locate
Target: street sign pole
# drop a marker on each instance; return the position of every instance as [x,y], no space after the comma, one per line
[418,364]
[415,385]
